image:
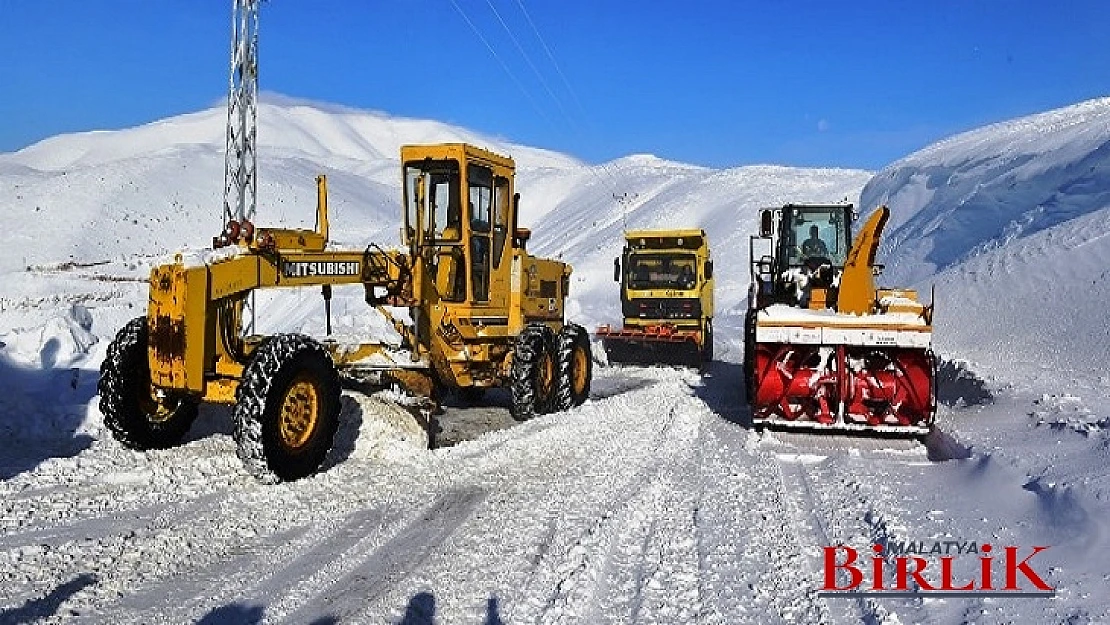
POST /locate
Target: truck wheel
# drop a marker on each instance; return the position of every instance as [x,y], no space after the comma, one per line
[286,408]
[137,418]
[707,345]
[575,367]
[533,372]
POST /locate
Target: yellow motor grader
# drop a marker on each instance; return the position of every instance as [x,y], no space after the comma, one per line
[482,313]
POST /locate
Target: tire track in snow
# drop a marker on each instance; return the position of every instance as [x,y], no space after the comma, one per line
[373,567]
[842,506]
[650,573]
[754,560]
[807,512]
[252,573]
[570,581]
[151,518]
[635,559]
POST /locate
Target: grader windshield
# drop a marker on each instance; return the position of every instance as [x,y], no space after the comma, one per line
[815,232]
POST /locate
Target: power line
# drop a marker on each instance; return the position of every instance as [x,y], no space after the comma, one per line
[535,70]
[623,199]
[504,66]
[551,56]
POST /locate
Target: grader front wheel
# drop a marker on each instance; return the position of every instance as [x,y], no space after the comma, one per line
[287,408]
[137,417]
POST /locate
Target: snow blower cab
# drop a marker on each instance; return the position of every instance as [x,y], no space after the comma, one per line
[825,347]
[666,279]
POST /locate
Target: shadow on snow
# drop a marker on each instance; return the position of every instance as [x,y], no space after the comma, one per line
[37,609]
[40,413]
[420,610]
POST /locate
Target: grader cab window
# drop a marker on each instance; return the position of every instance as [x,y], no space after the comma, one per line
[432,200]
[501,222]
[481,192]
[480,182]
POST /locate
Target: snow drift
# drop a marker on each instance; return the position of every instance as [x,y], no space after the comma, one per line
[1009,222]
[979,190]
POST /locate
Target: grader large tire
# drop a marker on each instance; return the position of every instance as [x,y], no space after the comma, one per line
[533,373]
[575,367]
[136,418]
[286,408]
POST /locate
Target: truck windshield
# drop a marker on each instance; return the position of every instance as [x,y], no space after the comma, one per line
[662,271]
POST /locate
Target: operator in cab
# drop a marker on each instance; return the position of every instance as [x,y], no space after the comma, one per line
[814,247]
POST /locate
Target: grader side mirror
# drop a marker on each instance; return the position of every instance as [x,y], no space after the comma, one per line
[520,238]
[616,270]
[765,223]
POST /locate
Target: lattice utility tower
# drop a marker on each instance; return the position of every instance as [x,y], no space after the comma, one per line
[240,163]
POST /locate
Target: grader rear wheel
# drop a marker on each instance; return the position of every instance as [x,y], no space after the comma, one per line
[534,372]
[575,367]
[137,417]
[287,409]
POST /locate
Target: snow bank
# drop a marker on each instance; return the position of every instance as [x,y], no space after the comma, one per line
[979,190]
[43,377]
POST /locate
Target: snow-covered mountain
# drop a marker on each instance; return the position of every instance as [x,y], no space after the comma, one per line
[980,190]
[157,187]
[148,190]
[1009,222]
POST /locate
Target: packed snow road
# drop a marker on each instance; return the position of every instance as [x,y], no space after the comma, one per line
[652,503]
[641,506]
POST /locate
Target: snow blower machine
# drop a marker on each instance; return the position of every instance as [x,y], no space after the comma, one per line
[824,347]
[666,279]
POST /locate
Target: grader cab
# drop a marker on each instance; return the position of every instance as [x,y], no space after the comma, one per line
[482,313]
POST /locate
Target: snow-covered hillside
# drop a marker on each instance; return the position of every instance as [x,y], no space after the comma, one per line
[979,190]
[1010,223]
[653,502]
[144,190]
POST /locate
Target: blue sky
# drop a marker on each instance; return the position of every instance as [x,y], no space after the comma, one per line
[720,83]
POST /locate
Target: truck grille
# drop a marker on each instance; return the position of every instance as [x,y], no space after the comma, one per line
[662,308]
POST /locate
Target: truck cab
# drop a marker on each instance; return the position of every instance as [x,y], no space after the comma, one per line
[666,293]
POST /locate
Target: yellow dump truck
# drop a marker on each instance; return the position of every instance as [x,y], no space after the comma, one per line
[666,279]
